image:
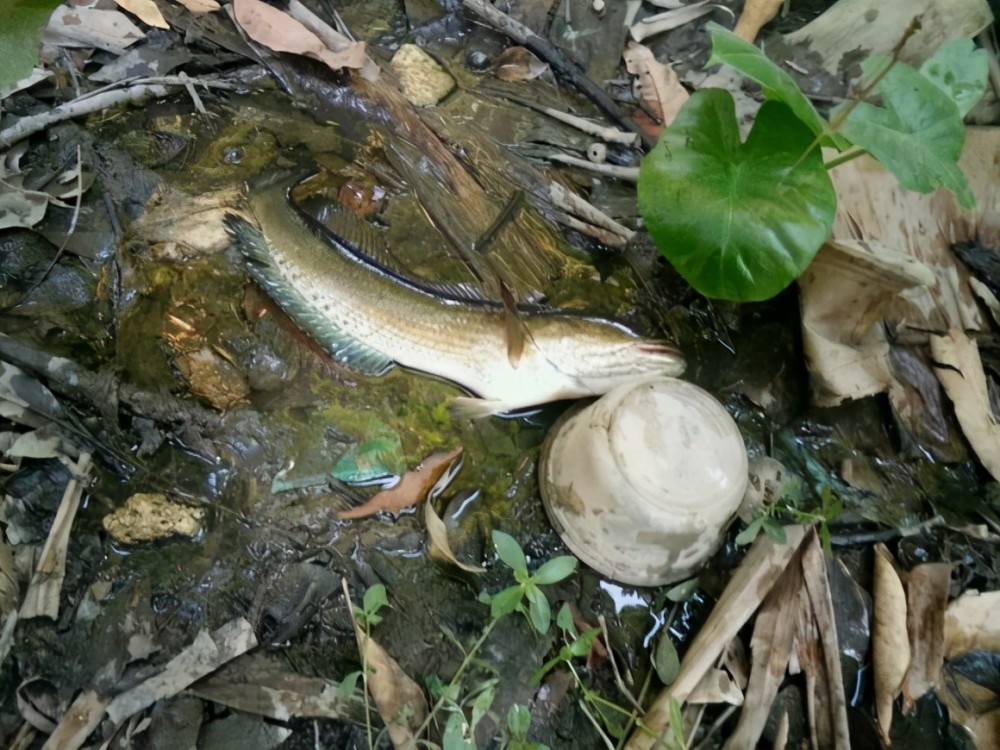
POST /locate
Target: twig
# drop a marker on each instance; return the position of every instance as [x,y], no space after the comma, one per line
[72,224]
[42,597]
[605,133]
[559,63]
[195,99]
[629,174]
[601,235]
[87,104]
[614,666]
[578,206]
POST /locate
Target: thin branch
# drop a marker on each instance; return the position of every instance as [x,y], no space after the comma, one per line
[88,104]
[559,63]
[629,174]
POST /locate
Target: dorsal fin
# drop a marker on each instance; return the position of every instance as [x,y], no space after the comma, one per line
[361,236]
[364,238]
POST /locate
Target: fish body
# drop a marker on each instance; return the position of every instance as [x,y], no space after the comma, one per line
[369,317]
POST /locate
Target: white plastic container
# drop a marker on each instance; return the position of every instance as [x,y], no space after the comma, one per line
[641,484]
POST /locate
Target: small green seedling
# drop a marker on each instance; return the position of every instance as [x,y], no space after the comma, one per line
[518,724]
[513,599]
[767,519]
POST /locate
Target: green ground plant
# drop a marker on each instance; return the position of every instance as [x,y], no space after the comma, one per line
[769,519]
[464,702]
[741,220]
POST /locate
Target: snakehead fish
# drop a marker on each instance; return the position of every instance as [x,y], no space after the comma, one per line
[369,317]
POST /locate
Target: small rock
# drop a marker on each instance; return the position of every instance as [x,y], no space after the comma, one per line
[146,517]
[424,82]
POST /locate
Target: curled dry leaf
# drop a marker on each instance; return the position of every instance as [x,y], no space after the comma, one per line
[678,15]
[280,32]
[518,64]
[890,644]
[431,474]
[437,541]
[656,84]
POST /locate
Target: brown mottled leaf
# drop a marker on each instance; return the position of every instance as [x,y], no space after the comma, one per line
[927,589]
[109,30]
[415,485]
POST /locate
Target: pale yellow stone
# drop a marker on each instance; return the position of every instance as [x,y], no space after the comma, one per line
[423,81]
[146,517]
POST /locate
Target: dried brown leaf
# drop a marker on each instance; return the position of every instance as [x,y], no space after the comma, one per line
[756,13]
[411,489]
[971,623]
[757,574]
[890,643]
[678,15]
[200,6]
[399,699]
[927,589]
[146,11]
[656,84]
[771,647]
[518,64]
[207,652]
[717,686]
[109,30]
[960,371]
[42,597]
[828,703]
[437,541]
[973,707]
[280,32]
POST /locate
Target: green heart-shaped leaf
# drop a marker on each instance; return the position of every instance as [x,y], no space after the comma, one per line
[739,221]
[917,135]
[776,84]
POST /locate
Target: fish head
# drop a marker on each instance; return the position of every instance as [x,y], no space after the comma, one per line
[595,354]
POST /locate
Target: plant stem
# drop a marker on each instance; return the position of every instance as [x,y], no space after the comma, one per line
[458,675]
[852,153]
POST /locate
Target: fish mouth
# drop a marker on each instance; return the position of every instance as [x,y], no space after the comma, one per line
[661,350]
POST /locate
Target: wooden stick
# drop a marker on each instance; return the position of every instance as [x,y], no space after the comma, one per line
[559,63]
